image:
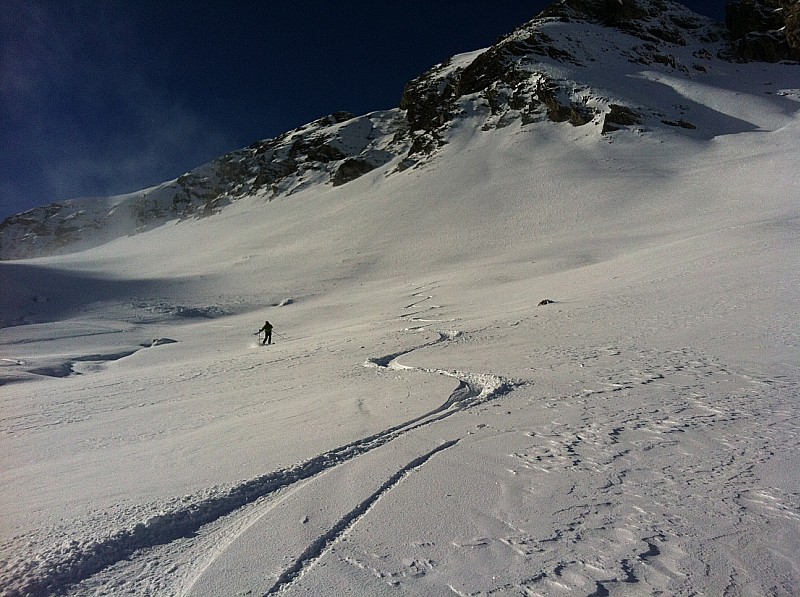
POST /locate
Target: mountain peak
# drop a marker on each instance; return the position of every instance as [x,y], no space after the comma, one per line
[609,66]
[547,69]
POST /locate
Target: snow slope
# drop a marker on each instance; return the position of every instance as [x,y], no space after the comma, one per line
[422,425]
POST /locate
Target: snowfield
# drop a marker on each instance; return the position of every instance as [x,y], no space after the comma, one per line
[421,424]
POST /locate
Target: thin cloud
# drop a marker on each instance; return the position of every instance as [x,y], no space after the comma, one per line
[84,109]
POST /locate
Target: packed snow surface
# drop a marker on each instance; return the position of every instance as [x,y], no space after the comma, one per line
[421,424]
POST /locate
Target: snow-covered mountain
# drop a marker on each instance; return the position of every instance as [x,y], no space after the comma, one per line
[577,62]
[535,333]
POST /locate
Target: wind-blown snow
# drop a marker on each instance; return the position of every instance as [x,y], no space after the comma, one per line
[422,425]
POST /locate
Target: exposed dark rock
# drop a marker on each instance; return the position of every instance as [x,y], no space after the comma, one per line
[351,169]
[764,30]
[547,92]
[335,118]
[315,149]
[428,101]
[493,66]
[618,116]
[747,16]
[649,21]
[679,123]
[499,65]
[608,12]
[792,29]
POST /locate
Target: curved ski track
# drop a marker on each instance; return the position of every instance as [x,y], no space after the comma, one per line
[82,561]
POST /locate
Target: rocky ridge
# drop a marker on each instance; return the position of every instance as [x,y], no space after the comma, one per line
[544,71]
[335,149]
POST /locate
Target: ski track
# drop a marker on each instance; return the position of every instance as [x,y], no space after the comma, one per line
[322,544]
[66,566]
[584,543]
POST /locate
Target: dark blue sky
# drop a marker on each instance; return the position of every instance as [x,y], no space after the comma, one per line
[101,97]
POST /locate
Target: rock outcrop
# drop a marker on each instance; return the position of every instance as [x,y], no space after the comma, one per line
[764,30]
[508,80]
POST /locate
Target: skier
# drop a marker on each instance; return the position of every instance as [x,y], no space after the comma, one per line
[267,329]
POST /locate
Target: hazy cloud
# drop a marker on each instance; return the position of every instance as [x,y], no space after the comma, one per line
[84,107]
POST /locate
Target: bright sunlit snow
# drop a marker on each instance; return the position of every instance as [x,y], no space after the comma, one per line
[421,424]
